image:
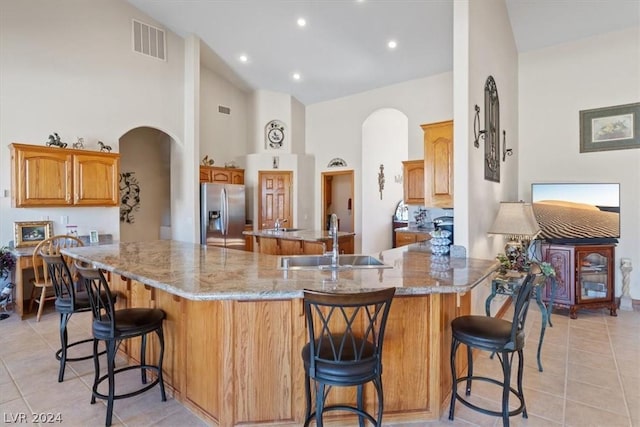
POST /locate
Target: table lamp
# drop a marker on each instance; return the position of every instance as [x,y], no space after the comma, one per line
[516,221]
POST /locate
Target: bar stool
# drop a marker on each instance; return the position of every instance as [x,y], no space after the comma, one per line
[113,326]
[67,301]
[346,332]
[496,336]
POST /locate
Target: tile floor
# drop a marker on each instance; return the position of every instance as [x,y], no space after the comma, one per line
[591,377]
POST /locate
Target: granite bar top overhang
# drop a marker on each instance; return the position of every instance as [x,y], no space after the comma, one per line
[200,272]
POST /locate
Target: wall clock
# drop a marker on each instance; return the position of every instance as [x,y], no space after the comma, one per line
[274,134]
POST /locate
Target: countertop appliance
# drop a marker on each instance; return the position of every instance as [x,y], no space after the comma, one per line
[222,215]
[444,223]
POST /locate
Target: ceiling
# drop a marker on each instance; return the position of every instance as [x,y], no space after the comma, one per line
[343,50]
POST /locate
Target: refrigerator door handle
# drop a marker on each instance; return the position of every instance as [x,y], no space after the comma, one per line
[225,211]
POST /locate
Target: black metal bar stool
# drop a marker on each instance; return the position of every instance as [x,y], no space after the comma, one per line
[113,326]
[346,332]
[67,300]
[496,336]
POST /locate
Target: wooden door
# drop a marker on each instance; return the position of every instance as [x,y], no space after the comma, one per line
[276,194]
[346,220]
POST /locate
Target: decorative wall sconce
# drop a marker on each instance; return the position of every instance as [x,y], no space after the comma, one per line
[505,151]
[477,133]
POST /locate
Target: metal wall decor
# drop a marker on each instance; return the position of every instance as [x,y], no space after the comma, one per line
[129,197]
[492,131]
[381,180]
[337,162]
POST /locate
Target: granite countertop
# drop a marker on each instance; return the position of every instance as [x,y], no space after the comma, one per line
[306,235]
[413,229]
[200,272]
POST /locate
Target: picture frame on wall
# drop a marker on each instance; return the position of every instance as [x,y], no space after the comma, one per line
[610,128]
[30,233]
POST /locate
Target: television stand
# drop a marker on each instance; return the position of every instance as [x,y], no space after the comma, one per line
[584,275]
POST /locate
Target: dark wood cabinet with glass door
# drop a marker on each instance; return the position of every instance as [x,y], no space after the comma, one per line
[585,276]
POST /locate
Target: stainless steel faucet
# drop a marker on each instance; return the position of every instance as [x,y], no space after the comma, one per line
[279,223]
[333,229]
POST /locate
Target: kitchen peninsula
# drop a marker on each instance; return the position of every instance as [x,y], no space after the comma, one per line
[235,325]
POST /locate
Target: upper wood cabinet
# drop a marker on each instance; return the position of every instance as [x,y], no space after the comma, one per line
[438,164]
[52,176]
[225,175]
[413,181]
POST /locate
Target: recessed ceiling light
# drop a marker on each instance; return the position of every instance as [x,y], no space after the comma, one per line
[243,58]
[392,44]
[296,76]
[302,22]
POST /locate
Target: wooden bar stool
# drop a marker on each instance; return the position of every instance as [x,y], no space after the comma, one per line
[346,332]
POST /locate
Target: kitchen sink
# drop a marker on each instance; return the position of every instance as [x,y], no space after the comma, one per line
[323,262]
[279,230]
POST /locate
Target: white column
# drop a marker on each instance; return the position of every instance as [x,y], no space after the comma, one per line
[625,299]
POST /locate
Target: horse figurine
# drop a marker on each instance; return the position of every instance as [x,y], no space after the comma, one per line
[79,144]
[104,147]
[55,140]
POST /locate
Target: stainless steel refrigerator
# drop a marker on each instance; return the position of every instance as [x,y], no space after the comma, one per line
[222,215]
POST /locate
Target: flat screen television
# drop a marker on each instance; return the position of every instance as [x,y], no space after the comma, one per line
[577,213]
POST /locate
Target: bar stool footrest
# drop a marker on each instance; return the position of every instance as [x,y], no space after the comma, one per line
[130,394]
[76,359]
[520,409]
[347,408]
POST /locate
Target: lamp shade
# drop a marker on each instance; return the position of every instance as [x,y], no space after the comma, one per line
[515,219]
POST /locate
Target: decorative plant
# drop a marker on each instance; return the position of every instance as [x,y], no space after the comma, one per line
[7,262]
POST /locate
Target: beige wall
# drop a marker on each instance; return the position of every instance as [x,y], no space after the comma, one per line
[68,67]
[555,84]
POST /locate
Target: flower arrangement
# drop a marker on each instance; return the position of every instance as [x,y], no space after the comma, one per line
[507,263]
[7,262]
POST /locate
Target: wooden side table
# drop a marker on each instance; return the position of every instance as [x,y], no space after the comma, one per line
[509,284]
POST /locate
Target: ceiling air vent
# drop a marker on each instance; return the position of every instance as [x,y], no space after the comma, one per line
[224,110]
[149,40]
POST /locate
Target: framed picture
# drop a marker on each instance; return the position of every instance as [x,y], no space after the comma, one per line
[30,233]
[610,128]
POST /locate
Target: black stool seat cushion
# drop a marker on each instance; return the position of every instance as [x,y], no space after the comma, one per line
[333,366]
[486,332]
[128,322]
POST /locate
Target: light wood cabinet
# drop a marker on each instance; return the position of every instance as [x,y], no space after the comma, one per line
[224,175]
[438,164]
[51,176]
[404,238]
[413,181]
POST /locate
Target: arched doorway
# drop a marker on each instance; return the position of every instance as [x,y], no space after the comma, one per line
[145,185]
[385,144]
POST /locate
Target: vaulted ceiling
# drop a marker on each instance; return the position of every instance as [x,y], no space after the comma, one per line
[343,48]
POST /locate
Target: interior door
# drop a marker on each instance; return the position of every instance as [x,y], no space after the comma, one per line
[276,193]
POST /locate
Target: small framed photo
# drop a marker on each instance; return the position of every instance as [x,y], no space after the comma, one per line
[610,128]
[30,233]
[93,236]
